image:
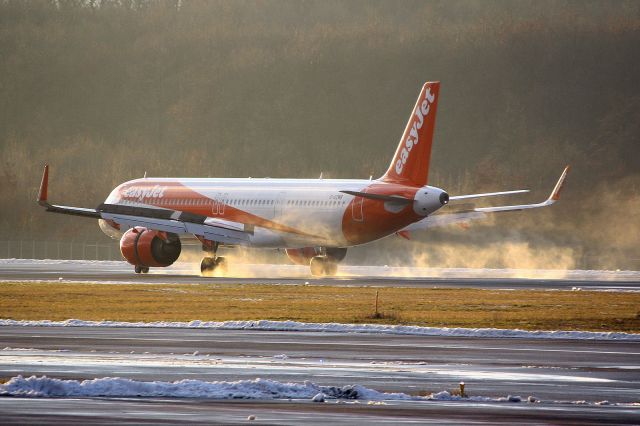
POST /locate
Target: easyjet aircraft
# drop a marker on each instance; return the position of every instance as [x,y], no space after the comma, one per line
[314,220]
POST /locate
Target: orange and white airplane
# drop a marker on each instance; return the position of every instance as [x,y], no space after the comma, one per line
[314,220]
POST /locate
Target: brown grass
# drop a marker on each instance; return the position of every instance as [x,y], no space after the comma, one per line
[526,309]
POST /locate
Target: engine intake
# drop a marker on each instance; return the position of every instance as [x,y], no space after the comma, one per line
[145,247]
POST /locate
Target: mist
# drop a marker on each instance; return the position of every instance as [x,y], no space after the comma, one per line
[105,91]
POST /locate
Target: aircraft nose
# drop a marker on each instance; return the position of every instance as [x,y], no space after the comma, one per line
[444,198]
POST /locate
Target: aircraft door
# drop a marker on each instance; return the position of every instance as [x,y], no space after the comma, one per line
[278,205]
[357,211]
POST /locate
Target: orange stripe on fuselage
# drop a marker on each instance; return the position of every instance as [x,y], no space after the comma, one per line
[190,203]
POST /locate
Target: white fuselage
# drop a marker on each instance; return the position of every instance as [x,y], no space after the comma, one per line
[285,212]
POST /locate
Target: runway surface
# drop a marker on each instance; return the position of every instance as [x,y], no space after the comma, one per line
[575,381]
[382,276]
[570,378]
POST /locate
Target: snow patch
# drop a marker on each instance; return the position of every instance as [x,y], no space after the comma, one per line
[243,389]
[318,398]
[338,328]
[117,387]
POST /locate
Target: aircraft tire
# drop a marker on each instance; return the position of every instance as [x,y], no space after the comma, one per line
[330,268]
[220,264]
[317,266]
[322,266]
[207,264]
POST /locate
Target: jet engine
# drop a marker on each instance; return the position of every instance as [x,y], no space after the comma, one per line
[144,247]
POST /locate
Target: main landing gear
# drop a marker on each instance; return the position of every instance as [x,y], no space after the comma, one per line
[211,264]
[323,266]
[141,269]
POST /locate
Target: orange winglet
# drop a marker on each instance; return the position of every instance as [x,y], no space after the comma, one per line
[44,187]
[555,194]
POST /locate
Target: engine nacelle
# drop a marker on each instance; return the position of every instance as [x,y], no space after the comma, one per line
[303,256]
[145,247]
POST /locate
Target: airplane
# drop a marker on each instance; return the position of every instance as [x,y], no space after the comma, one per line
[314,221]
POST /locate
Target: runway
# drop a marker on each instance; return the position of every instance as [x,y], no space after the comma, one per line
[571,379]
[381,276]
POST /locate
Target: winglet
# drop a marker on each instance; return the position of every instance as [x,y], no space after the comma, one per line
[44,187]
[555,194]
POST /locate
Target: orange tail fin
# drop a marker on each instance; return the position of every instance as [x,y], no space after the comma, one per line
[410,164]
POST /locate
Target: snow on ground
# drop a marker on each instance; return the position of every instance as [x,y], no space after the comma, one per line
[243,389]
[267,325]
[116,387]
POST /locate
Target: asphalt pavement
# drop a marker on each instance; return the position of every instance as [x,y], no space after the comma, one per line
[571,378]
[349,275]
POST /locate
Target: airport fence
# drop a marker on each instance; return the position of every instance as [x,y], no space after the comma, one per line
[63,250]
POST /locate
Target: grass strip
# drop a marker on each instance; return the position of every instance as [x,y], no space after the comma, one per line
[524,309]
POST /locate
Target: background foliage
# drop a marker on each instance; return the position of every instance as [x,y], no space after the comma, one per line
[106,90]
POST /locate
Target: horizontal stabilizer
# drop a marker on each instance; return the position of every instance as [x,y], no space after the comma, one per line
[487,194]
[553,197]
[461,217]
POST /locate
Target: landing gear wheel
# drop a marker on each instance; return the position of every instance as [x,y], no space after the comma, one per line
[317,266]
[330,268]
[221,264]
[208,264]
[141,269]
[323,266]
[211,264]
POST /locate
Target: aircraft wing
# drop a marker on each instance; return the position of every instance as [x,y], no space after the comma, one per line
[177,222]
[444,219]
[166,220]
